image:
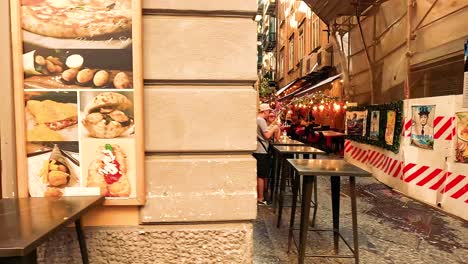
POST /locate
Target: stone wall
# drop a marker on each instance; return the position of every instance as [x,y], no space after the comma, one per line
[168,244]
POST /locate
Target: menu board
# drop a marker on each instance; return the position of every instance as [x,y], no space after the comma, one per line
[79,98]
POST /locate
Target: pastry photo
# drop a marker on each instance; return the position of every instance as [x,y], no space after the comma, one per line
[108,171]
[51,116]
[107,114]
[77,69]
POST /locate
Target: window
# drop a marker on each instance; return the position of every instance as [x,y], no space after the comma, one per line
[301,44]
[281,63]
[291,53]
[315,31]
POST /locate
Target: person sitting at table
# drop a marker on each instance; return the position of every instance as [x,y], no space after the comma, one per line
[264,133]
[292,129]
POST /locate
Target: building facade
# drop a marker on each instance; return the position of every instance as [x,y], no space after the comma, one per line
[200,175]
[301,36]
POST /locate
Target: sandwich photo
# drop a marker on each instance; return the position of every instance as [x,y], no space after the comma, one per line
[108,171]
[108,115]
[52,116]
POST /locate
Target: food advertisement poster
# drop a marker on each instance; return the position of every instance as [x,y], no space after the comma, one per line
[462,137]
[79,92]
[356,123]
[374,126]
[422,128]
[390,127]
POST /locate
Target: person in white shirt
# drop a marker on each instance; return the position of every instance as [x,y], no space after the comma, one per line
[264,133]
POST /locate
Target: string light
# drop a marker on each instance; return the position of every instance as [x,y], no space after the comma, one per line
[321,107]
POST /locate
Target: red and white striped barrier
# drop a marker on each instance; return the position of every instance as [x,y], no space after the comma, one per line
[423,176]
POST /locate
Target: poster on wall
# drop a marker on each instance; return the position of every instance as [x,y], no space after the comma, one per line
[356,123]
[462,137]
[374,126]
[79,91]
[422,129]
[390,127]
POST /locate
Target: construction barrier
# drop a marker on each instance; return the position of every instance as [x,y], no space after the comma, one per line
[428,175]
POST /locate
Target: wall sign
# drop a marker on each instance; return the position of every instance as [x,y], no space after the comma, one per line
[422,128]
[384,125]
[356,123]
[79,98]
[461,151]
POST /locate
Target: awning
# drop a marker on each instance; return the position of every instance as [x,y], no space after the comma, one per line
[299,82]
[285,87]
[326,81]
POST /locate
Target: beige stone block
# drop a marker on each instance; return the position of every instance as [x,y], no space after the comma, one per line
[181,119]
[200,188]
[203,5]
[199,48]
[157,244]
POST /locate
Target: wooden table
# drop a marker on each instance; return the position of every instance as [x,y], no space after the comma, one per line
[26,223]
[335,169]
[329,136]
[283,151]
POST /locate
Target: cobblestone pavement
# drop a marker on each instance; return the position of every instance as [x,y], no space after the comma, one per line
[393,229]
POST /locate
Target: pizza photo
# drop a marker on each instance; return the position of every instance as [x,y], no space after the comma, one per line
[50,23]
[76,18]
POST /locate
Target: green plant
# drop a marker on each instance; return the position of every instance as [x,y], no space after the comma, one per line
[265,90]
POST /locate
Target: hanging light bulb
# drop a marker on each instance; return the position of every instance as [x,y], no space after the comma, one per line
[321,107]
[336,107]
[315,108]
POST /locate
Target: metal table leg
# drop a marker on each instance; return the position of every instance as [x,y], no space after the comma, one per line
[274,178]
[305,213]
[352,191]
[295,189]
[82,241]
[335,193]
[281,192]
[279,175]
[315,201]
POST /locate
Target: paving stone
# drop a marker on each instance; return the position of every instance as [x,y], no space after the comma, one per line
[392,229]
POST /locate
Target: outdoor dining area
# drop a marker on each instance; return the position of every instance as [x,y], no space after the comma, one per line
[296,168]
[311,145]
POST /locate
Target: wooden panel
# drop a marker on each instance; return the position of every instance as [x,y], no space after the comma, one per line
[188,119]
[7,131]
[441,35]
[198,48]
